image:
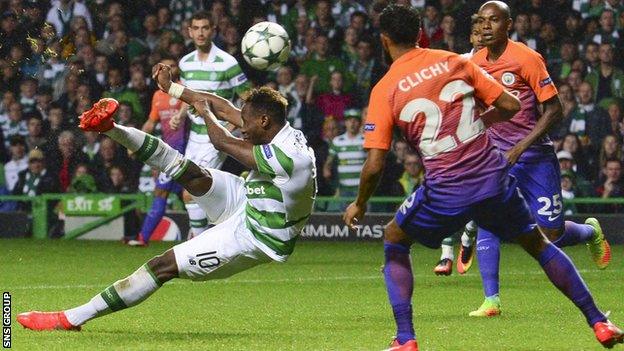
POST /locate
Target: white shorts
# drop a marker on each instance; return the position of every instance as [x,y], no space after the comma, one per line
[219,252]
[228,247]
[204,155]
[227,196]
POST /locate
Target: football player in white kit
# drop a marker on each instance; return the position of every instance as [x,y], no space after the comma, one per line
[257,219]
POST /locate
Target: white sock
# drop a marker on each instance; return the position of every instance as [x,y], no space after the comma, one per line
[124,293]
[466,240]
[151,150]
[470,232]
[447,252]
[197,218]
[96,307]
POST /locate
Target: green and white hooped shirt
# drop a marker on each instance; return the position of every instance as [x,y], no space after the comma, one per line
[281,193]
[350,156]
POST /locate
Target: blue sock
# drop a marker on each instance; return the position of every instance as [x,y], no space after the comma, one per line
[574,233]
[400,285]
[562,273]
[153,217]
[488,255]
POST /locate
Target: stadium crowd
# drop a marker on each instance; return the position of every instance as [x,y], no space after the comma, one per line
[57,57]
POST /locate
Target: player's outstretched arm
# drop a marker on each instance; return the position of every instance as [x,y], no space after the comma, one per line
[222,108]
[223,140]
[369,178]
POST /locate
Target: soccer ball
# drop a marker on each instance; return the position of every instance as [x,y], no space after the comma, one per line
[266,46]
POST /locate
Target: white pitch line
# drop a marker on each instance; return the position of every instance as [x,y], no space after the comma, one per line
[263,281]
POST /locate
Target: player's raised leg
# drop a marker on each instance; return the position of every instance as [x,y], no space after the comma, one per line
[208,257]
[156,153]
[147,148]
[149,277]
[589,233]
[540,185]
[445,265]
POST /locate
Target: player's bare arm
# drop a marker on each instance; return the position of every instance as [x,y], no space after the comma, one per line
[222,139]
[371,172]
[505,107]
[222,108]
[553,113]
[176,120]
[327,167]
[148,126]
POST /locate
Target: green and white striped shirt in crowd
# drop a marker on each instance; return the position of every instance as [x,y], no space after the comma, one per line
[281,193]
[219,74]
[350,156]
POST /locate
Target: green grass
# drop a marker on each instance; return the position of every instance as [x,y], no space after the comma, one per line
[329,296]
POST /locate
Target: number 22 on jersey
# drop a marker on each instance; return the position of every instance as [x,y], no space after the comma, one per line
[467,128]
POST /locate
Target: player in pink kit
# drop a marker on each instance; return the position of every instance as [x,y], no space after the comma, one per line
[525,141]
[431,96]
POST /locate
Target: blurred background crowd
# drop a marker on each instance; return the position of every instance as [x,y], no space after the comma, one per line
[57,57]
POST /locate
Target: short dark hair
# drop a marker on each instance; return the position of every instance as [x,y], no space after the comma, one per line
[167,56]
[17,140]
[358,14]
[379,5]
[613,159]
[268,101]
[400,23]
[574,14]
[367,40]
[202,15]
[607,10]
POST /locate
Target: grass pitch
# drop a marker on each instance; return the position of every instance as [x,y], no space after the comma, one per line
[329,296]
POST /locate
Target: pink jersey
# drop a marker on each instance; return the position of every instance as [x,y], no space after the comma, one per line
[523,73]
[431,96]
[163,108]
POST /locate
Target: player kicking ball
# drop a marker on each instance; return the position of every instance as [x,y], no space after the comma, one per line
[431,96]
[257,220]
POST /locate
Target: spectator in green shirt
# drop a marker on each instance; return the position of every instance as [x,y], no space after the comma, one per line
[118,91]
[567,192]
[414,173]
[606,80]
[322,65]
